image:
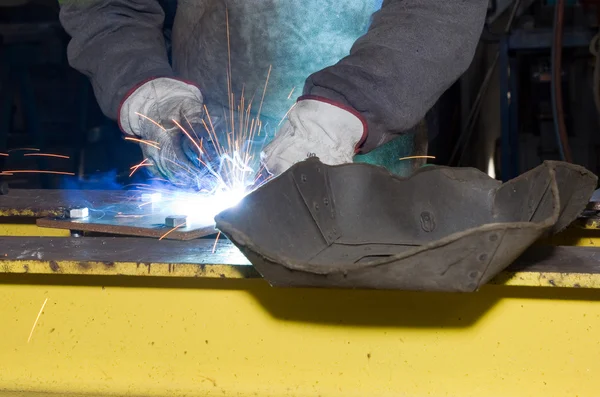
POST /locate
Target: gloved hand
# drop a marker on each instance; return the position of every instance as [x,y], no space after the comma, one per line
[148,114]
[315,127]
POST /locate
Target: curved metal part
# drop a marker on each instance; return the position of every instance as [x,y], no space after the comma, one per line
[442,229]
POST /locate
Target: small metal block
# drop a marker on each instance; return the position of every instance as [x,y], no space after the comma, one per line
[78,213]
[175,220]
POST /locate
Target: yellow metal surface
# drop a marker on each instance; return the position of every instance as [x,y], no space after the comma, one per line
[120,269]
[7,229]
[143,336]
[577,235]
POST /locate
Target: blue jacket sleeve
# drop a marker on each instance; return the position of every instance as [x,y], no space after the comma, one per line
[413,51]
[117,44]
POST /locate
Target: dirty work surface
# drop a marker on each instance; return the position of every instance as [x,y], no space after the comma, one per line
[37,203]
[120,249]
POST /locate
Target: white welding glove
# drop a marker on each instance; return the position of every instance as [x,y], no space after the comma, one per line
[148,114]
[315,127]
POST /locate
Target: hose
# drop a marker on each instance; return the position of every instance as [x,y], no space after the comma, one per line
[560,128]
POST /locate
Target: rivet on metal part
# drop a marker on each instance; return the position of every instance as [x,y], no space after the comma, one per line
[78,213]
[175,220]
[427,221]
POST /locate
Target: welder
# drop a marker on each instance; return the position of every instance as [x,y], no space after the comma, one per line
[363,71]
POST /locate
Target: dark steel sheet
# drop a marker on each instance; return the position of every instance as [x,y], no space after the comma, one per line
[121,249]
[204,252]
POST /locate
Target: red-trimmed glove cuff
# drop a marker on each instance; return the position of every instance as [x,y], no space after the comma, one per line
[346,108]
[138,85]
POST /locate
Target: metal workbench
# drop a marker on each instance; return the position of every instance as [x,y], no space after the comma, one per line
[136,316]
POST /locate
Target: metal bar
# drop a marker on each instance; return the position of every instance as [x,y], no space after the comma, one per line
[115,256]
[513,135]
[505,96]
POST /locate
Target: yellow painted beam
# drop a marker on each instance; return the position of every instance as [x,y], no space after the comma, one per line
[40,267]
[209,337]
[66,267]
[7,229]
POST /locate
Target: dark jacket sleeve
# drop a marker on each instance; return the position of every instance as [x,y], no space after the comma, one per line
[116,43]
[413,51]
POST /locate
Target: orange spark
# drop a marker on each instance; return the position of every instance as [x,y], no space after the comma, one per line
[286,114]
[152,121]
[417,157]
[154,144]
[291,92]
[60,156]
[215,245]
[136,167]
[4,154]
[24,148]
[264,92]
[171,231]
[188,135]
[37,172]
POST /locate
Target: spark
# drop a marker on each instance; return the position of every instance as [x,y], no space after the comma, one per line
[264,92]
[154,144]
[188,135]
[416,157]
[216,241]
[152,121]
[171,231]
[131,215]
[225,179]
[4,154]
[286,114]
[144,163]
[37,319]
[37,172]
[60,156]
[291,92]
[31,149]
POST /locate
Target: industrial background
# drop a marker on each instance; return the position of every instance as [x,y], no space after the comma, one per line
[499,117]
[94,314]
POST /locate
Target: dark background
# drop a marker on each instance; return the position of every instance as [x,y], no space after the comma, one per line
[45,104]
